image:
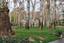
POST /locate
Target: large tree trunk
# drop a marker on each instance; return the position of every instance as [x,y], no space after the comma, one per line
[5,26]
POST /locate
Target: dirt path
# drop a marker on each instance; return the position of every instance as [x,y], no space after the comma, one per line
[58,41]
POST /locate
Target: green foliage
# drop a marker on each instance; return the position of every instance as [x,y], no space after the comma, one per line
[45,33]
[22,34]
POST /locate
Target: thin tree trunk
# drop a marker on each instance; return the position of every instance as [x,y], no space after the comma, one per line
[28,7]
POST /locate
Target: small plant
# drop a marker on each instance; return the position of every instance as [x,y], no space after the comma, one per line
[59,33]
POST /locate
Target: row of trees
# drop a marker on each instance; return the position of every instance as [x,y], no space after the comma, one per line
[45,16]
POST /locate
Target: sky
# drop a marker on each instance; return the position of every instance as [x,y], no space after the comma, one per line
[11,5]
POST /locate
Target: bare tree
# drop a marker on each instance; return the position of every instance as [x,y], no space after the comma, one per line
[55,15]
[33,8]
[28,8]
[46,11]
[41,13]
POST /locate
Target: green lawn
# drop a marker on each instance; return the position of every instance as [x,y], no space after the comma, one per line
[45,34]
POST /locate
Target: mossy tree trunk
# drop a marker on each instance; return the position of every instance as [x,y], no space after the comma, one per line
[5,26]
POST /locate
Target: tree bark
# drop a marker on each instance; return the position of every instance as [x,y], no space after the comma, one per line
[5,26]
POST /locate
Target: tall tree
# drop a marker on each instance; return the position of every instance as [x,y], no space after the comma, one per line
[46,10]
[33,3]
[55,14]
[28,9]
[41,13]
[5,26]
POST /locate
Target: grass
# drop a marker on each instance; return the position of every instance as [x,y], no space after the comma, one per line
[36,32]
[45,35]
